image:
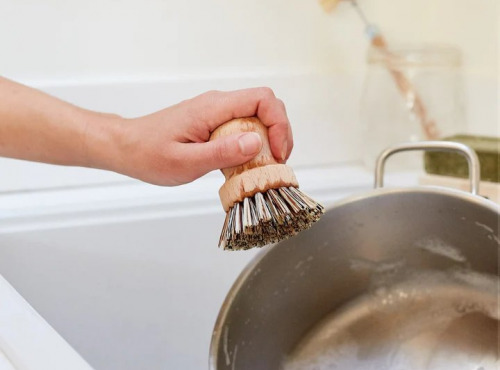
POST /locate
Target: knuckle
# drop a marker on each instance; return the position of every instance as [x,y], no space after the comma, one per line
[266,92]
[208,97]
[212,92]
[281,104]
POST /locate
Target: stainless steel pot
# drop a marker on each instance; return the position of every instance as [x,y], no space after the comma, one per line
[392,279]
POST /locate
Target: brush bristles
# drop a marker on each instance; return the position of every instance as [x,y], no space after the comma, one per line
[268,218]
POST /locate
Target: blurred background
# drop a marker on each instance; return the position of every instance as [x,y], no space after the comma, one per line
[132,58]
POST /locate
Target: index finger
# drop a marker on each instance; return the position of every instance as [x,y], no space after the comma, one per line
[218,107]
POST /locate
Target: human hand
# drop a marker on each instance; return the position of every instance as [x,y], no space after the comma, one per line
[171,147]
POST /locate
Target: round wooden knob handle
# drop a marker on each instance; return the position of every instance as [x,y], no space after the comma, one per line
[257,175]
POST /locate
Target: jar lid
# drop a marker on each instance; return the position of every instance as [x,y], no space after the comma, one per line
[425,55]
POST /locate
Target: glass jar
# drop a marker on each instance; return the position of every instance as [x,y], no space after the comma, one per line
[410,94]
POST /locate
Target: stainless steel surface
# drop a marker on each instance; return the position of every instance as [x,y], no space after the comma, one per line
[447,146]
[393,279]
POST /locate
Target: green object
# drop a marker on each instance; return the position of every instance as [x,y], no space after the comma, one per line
[455,165]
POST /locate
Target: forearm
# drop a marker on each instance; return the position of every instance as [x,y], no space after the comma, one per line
[38,127]
[168,147]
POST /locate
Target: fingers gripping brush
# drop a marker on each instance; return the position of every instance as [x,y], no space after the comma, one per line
[261,197]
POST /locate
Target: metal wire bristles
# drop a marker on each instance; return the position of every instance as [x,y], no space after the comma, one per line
[268,218]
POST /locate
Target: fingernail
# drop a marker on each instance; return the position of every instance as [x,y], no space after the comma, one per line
[250,143]
[284,150]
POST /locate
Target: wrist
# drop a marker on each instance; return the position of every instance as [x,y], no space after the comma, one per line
[101,137]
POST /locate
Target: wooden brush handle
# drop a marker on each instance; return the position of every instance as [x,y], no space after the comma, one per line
[257,175]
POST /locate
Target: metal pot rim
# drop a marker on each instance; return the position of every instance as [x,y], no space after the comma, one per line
[235,288]
[430,189]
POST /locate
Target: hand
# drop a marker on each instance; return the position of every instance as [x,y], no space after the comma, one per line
[171,147]
[168,147]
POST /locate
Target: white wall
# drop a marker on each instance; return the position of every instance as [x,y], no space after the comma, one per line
[94,39]
[132,57]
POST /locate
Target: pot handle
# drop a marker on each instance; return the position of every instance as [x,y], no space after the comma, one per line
[436,146]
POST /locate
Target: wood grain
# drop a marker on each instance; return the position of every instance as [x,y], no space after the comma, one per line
[257,175]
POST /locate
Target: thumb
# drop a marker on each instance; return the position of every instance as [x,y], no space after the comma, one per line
[227,151]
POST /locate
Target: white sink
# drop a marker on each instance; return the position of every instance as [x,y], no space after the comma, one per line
[131,276]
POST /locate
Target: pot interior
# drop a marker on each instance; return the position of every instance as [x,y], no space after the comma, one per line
[395,279]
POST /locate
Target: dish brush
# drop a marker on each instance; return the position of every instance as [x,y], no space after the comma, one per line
[261,197]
